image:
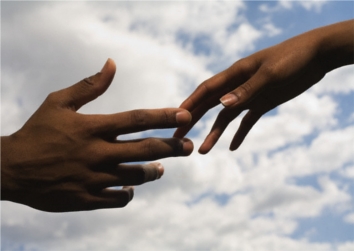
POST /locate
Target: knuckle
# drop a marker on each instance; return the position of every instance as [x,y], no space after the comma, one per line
[269,71]
[140,175]
[204,87]
[243,92]
[90,204]
[167,118]
[88,85]
[244,67]
[138,118]
[150,147]
[53,97]
[155,148]
[246,88]
[177,147]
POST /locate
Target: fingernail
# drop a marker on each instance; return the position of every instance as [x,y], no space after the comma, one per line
[183,117]
[160,169]
[187,147]
[229,99]
[153,171]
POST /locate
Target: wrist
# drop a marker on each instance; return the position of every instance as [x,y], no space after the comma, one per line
[336,45]
[8,177]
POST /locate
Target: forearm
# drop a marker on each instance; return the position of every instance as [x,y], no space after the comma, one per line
[336,44]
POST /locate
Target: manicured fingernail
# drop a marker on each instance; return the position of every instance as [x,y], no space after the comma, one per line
[229,99]
[183,117]
[187,147]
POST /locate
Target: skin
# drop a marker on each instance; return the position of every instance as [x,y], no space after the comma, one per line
[268,78]
[62,161]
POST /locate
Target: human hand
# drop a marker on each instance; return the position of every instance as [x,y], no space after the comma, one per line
[62,161]
[268,78]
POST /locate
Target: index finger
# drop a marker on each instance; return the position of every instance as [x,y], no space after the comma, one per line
[220,83]
[205,90]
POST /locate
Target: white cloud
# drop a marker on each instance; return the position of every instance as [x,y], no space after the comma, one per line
[349,218]
[347,246]
[310,5]
[56,44]
[348,172]
[271,30]
[339,81]
[313,5]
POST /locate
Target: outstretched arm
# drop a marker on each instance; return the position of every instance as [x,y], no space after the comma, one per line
[62,161]
[268,78]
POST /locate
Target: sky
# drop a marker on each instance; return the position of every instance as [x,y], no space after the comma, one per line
[290,186]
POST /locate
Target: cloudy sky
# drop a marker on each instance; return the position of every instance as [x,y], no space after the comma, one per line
[290,186]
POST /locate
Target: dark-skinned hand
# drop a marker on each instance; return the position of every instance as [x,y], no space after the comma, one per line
[61,160]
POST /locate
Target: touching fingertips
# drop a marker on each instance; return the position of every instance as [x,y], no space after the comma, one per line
[229,99]
[183,117]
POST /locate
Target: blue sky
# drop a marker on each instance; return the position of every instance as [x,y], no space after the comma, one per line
[288,187]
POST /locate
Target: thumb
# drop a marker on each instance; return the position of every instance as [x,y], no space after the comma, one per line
[89,88]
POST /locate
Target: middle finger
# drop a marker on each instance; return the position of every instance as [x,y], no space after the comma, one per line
[146,149]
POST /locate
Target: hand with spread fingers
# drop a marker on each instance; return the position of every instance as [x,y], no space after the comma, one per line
[268,78]
[62,161]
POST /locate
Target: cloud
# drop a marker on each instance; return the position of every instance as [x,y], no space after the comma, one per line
[271,30]
[348,172]
[312,5]
[339,81]
[349,218]
[248,200]
[346,246]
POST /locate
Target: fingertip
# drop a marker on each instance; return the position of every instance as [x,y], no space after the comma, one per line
[204,148]
[152,171]
[232,148]
[130,190]
[107,74]
[210,141]
[188,147]
[160,170]
[109,66]
[234,145]
[183,117]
